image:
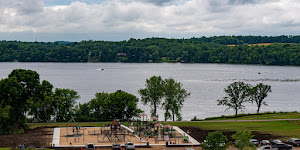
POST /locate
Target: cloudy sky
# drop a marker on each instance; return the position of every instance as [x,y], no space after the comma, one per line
[115,20]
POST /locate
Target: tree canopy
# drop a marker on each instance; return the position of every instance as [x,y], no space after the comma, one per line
[174,96]
[259,93]
[168,92]
[242,138]
[117,105]
[153,93]
[15,92]
[237,94]
[215,141]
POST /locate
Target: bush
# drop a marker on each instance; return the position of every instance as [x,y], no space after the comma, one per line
[215,141]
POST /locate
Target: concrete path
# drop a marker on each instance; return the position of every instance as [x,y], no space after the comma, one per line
[56,135]
[195,142]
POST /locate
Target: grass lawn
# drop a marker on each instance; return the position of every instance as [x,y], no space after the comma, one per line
[282,128]
[261,116]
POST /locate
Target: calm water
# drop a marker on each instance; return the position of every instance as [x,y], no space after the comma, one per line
[205,82]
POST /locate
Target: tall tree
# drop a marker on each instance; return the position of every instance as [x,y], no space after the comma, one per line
[153,93]
[259,93]
[40,106]
[83,113]
[174,97]
[63,103]
[238,93]
[117,105]
[15,91]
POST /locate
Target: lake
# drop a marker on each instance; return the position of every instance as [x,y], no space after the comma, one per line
[205,82]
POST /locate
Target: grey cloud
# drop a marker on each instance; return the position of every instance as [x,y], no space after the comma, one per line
[241,1]
[160,2]
[26,7]
[144,18]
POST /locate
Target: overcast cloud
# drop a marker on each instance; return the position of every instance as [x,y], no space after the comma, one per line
[123,19]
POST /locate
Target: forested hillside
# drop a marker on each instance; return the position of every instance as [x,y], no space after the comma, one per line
[285,50]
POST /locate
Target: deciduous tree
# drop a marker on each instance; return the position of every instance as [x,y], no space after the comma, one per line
[63,103]
[40,105]
[215,141]
[259,93]
[15,91]
[174,96]
[242,138]
[153,93]
[117,105]
[237,94]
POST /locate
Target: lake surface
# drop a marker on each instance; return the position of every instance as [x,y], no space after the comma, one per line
[205,82]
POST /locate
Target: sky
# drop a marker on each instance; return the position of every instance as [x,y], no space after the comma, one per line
[116,20]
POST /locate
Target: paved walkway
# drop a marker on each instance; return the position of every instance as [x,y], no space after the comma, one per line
[56,135]
[195,142]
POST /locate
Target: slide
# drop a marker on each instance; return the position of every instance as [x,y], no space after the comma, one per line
[126,128]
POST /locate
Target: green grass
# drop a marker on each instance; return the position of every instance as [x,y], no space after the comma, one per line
[64,124]
[260,116]
[282,128]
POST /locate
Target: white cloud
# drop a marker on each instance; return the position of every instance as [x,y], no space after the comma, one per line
[142,18]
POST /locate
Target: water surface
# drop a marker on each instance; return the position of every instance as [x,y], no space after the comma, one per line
[205,82]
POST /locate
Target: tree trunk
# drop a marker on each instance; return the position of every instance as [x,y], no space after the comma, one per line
[173,116]
[236,112]
[258,107]
[155,110]
[16,128]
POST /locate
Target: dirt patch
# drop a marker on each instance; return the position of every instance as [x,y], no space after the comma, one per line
[38,137]
[200,134]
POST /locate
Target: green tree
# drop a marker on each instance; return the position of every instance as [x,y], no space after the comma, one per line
[238,93]
[117,105]
[40,106]
[83,113]
[242,138]
[100,105]
[174,97]
[15,91]
[153,93]
[215,141]
[63,104]
[259,93]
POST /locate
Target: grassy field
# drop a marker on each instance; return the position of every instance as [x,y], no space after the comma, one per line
[261,116]
[282,128]
[259,44]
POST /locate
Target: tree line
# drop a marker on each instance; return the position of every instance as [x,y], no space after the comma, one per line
[284,51]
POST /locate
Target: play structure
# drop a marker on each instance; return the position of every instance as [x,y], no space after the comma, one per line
[137,131]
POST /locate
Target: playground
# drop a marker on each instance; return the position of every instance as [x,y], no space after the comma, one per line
[139,132]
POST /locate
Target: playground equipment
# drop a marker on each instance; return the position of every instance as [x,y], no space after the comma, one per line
[131,131]
[75,129]
[114,134]
[185,139]
[73,133]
